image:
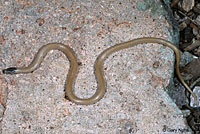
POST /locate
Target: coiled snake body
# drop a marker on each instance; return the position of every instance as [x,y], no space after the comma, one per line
[98,66]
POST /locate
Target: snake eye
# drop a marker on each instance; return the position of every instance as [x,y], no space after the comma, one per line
[11,70]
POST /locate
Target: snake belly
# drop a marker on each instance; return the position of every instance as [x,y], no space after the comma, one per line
[101,86]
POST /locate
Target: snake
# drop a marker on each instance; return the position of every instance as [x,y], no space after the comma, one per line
[101,84]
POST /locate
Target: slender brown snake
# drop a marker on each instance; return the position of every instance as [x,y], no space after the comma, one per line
[98,66]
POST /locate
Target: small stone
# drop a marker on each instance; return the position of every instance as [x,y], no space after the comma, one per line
[156,64]
[197,92]
[70,11]
[40,21]
[22,31]
[187,5]
[196,9]
[198,19]
[5,18]
[182,26]
[40,10]
[121,93]
[195,29]
[64,28]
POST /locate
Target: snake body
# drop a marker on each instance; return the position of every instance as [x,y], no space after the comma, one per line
[101,87]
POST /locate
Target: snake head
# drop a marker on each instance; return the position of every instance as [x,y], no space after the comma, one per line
[11,70]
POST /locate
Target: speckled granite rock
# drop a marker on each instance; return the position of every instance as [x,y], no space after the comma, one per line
[135,101]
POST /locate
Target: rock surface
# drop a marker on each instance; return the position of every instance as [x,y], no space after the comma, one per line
[135,101]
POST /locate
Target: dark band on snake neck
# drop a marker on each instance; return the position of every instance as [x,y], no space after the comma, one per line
[98,66]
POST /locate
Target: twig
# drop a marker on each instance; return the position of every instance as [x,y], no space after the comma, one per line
[194,45]
[195,82]
[189,18]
